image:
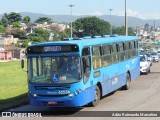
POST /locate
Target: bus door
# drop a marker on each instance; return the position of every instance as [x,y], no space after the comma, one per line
[87,75]
[122,64]
[97,63]
[114,71]
[107,67]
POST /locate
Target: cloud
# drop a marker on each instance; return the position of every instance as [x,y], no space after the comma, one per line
[150,16]
[130,12]
[134,13]
[97,13]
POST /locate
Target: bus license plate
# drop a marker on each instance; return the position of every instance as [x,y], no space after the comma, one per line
[52,103]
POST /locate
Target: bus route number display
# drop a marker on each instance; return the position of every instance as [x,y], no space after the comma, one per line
[52,49]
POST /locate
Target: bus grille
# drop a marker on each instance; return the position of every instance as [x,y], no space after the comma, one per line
[51,87]
[52,95]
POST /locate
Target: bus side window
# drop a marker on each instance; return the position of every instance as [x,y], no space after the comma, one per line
[133,50]
[106,55]
[127,50]
[121,52]
[136,47]
[114,53]
[86,62]
[96,57]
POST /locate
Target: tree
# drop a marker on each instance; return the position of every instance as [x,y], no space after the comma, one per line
[2,29]
[13,17]
[9,19]
[35,38]
[17,33]
[4,20]
[91,26]
[121,31]
[16,24]
[62,35]
[39,35]
[26,19]
[25,44]
[131,31]
[43,19]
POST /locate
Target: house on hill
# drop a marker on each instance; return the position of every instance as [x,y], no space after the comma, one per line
[5,55]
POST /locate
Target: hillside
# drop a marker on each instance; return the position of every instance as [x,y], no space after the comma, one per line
[116,20]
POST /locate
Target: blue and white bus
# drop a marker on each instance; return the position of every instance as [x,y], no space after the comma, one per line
[79,72]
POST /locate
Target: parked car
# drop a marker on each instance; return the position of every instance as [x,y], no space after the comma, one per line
[149,58]
[155,56]
[144,64]
[159,54]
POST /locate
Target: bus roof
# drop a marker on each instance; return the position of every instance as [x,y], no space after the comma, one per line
[89,42]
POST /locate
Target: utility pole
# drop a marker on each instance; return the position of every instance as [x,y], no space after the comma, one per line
[71,5]
[110,21]
[126,23]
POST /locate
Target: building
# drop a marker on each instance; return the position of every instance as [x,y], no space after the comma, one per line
[7,40]
[19,53]
[5,55]
[8,50]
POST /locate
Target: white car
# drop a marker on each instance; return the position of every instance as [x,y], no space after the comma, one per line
[155,56]
[159,53]
[144,64]
[149,58]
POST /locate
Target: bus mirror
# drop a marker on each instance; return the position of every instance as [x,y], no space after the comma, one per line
[22,63]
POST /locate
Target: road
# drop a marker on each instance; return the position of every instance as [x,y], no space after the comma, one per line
[144,95]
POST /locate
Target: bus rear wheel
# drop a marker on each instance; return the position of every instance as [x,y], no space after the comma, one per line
[128,82]
[97,97]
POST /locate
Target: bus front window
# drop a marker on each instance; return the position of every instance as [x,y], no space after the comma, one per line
[54,69]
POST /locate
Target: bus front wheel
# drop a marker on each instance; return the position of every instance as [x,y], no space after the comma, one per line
[97,97]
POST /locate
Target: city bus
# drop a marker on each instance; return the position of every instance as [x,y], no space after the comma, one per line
[80,72]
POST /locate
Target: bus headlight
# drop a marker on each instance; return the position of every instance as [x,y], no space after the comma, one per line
[75,93]
[70,95]
[34,95]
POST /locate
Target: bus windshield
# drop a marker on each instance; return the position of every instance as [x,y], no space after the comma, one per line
[52,70]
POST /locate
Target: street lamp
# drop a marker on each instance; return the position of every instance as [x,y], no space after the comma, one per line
[71,5]
[126,27]
[110,22]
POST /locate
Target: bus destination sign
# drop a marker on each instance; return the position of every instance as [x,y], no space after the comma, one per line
[52,49]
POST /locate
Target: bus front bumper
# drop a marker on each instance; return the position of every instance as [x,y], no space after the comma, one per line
[80,99]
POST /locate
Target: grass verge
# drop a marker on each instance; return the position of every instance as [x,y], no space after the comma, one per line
[13,102]
[13,84]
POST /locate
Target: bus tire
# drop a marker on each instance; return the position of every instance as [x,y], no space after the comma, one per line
[97,97]
[149,70]
[128,82]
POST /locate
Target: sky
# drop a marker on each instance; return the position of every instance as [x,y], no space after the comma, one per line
[144,9]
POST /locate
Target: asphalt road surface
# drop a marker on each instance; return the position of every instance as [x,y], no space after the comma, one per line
[144,95]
